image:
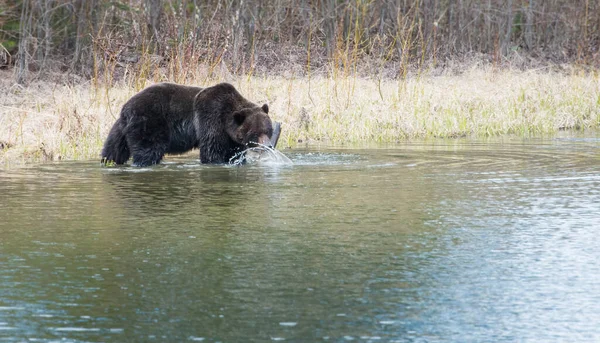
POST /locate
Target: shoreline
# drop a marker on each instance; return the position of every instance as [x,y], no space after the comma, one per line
[47,121]
[430,143]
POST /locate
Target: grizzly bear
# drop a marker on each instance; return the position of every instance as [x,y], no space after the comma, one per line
[171,118]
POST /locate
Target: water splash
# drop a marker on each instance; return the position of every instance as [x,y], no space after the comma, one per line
[260,154]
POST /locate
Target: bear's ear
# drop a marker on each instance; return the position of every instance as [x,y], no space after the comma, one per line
[265,108]
[239,117]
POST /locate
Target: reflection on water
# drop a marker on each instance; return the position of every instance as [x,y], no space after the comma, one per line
[450,241]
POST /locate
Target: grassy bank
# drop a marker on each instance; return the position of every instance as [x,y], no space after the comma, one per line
[46,121]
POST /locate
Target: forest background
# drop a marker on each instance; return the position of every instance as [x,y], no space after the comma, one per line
[334,71]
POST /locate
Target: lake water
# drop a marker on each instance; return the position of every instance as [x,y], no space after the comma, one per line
[443,241]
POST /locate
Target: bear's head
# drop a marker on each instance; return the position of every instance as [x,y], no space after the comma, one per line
[251,126]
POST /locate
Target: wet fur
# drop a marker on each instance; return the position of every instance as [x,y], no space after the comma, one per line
[220,136]
[171,118]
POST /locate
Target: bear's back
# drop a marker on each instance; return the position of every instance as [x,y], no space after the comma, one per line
[163,99]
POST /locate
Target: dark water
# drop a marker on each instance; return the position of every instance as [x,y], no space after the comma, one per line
[456,241]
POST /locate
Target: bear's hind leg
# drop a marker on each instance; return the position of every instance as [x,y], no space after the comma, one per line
[143,157]
[115,148]
[149,142]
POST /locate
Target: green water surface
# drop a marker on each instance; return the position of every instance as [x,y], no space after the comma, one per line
[444,241]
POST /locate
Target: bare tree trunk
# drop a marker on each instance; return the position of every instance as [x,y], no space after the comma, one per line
[37,12]
[46,19]
[80,13]
[462,35]
[529,24]
[23,56]
[238,34]
[382,14]
[154,14]
[508,30]
[196,20]
[329,27]
[488,27]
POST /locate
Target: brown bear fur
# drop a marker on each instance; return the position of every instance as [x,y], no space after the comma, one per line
[171,118]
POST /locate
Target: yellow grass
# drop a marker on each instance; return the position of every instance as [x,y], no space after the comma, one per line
[46,121]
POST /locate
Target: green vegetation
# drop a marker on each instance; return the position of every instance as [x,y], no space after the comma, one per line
[46,121]
[332,71]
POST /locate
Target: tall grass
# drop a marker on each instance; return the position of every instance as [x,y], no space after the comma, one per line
[49,121]
[332,71]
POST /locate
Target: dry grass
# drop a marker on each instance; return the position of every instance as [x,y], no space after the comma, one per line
[47,121]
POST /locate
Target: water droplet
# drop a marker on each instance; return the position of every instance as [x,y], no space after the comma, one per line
[387,322]
[288,324]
